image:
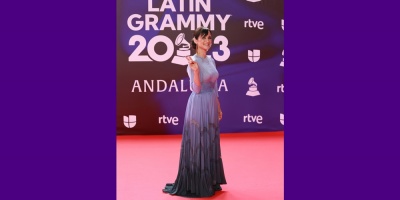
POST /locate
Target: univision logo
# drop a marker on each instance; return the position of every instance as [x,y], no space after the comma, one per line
[253,0]
[130,121]
[253,55]
[281,118]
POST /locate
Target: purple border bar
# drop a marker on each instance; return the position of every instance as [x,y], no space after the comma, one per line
[341,101]
[57,84]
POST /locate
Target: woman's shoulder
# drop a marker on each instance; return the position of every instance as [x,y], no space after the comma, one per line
[194,57]
[209,57]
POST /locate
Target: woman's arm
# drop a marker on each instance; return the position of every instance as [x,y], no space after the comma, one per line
[194,74]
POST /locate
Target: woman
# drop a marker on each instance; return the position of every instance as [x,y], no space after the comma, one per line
[200,167]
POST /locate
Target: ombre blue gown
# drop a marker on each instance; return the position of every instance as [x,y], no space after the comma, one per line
[200,167]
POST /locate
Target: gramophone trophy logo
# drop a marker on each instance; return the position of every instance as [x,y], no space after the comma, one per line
[183,51]
[253,88]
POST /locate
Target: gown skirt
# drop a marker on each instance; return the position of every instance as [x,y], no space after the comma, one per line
[200,171]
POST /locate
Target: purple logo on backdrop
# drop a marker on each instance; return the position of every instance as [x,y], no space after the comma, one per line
[253,118]
[182,52]
[254,55]
[130,121]
[254,24]
[168,120]
[253,88]
[280,88]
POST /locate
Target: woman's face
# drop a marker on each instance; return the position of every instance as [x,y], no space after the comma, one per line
[204,42]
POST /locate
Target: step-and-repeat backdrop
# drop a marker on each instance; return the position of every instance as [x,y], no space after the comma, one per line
[153,38]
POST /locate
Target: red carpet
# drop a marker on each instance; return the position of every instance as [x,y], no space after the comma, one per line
[253,164]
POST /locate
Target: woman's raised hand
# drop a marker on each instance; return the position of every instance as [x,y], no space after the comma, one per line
[193,65]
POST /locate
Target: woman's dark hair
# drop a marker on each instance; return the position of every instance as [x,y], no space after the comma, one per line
[201,31]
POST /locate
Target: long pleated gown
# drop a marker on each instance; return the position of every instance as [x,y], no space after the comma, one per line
[200,171]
